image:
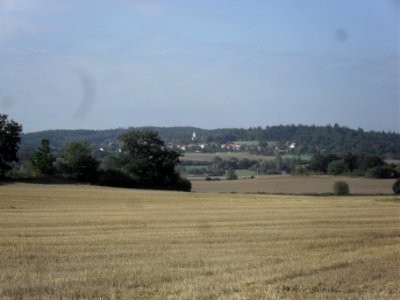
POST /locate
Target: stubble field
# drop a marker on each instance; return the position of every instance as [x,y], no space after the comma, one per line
[287,184]
[62,241]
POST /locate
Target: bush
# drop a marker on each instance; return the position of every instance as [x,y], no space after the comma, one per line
[300,171]
[231,175]
[337,167]
[381,172]
[357,173]
[396,186]
[183,185]
[117,178]
[341,188]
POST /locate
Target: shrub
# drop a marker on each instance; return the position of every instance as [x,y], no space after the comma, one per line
[381,172]
[231,175]
[183,185]
[208,178]
[337,167]
[357,173]
[341,188]
[396,186]
[117,178]
[397,169]
[300,171]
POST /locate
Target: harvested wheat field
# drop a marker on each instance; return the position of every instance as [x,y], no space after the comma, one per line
[287,184]
[69,242]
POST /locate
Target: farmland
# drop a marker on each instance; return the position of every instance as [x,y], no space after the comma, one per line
[198,156]
[224,155]
[285,184]
[71,241]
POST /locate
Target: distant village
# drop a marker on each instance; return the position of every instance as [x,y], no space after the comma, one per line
[197,146]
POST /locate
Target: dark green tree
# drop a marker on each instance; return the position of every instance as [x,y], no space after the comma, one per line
[244,163]
[350,161]
[9,143]
[337,167]
[42,160]
[148,161]
[396,187]
[382,172]
[232,163]
[78,163]
[365,162]
[319,163]
[217,163]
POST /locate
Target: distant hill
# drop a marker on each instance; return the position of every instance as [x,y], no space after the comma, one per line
[58,138]
[309,139]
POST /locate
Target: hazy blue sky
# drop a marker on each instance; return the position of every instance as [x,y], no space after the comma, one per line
[209,63]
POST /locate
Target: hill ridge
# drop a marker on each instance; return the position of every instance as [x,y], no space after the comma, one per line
[309,138]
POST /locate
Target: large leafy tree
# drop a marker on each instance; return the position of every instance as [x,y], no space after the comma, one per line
[42,159]
[148,161]
[78,163]
[319,163]
[9,142]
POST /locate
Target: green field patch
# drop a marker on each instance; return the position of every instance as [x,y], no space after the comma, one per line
[306,157]
[195,167]
[224,155]
[202,157]
[247,143]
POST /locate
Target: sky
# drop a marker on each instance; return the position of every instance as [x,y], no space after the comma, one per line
[83,64]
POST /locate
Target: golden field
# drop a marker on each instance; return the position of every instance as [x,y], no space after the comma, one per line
[287,184]
[85,242]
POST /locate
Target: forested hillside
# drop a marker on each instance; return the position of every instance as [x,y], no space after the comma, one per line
[308,139]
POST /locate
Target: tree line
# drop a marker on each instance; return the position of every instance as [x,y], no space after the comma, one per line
[143,161]
[218,166]
[353,165]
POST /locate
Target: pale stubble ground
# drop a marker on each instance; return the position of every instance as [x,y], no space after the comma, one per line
[77,242]
[287,184]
